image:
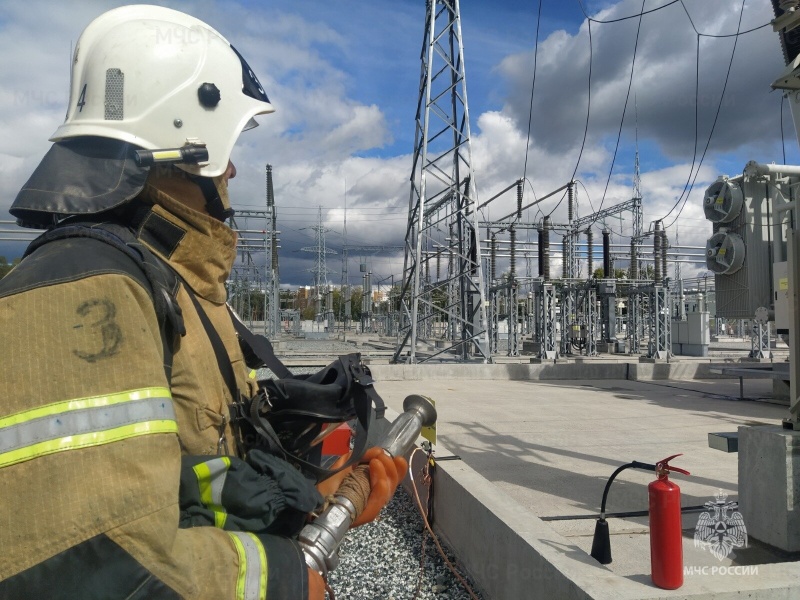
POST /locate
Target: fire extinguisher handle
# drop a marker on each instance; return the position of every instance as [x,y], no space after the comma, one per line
[663,466]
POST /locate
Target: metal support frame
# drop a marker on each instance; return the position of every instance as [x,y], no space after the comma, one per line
[759,340]
[513,319]
[251,277]
[442,204]
[660,318]
[546,320]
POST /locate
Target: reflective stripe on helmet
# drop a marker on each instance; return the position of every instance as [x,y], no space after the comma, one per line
[252,581]
[85,422]
[211,479]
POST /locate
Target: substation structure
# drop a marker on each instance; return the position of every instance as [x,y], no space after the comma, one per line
[254,284]
[443,317]
[580,313]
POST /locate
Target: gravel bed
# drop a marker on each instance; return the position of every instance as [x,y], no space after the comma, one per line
[381,560]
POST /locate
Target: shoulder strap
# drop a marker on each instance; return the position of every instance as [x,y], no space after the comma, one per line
[260,349]
[163,281]
[262,427]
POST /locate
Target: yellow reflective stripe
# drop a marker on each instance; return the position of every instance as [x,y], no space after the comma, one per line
[210,480]
[86,440]
[85,422]
[251,583]
[82,403]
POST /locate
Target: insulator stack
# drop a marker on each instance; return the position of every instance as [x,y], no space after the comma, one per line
[607,254]
[270,192]
[428,271]
[664,247]
[570,201]
[540,248]
[439,266]
[634,274]
[546,249]
[657,253]
[519,200]
[589,257]
[274,250]
[565,255]
[513,261]
[493,259]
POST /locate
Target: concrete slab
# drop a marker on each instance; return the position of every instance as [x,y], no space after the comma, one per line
[545,449]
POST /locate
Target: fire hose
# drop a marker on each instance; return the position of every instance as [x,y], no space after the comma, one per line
[320,539]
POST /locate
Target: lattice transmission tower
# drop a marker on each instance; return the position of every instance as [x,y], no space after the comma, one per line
[323,294]
[441,215]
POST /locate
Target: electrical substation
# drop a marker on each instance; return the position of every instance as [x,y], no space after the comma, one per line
[549,319]
[598,334]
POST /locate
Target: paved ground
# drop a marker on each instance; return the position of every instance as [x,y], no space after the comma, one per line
[552,445]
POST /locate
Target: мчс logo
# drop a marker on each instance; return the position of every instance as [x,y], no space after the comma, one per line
[721,529]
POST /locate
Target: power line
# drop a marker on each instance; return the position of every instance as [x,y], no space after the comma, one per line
[696,125]
[727,35]
[533,87]
[624,108]
[716,116]
[639,15]
[588,103]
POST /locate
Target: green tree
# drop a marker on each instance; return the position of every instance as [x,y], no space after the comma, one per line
[5,266]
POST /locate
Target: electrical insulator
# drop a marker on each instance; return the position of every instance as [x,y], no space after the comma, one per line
[607,254]
[519,200]
[570,201]
[546,249]
[589,256]
[270,193]
[513,262]
[493,259]
[657,253]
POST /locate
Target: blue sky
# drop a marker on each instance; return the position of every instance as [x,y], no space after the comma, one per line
[344,77]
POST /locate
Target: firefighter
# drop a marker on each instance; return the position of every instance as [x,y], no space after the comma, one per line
[115,367]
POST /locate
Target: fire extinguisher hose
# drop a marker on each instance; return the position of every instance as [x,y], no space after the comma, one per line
[631,465]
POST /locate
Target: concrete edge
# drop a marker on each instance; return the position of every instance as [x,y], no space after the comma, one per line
[508,551]
[587,369]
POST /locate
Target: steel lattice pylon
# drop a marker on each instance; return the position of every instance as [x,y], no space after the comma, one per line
[441,213]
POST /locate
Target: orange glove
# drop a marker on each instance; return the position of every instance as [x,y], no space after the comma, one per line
[385,473]
[316,586]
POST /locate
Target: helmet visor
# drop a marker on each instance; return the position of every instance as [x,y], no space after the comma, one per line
[251,86]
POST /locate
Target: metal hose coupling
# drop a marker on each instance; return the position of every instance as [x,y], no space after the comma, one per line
[321,538]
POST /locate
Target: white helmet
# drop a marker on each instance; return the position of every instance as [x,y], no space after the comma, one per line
[160,79]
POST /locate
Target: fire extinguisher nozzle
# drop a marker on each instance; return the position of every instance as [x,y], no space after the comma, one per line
[601,544]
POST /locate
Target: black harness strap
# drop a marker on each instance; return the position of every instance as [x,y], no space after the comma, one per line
[224,362]
[260,349]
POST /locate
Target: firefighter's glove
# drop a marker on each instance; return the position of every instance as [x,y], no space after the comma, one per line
[385,473]
[316,586]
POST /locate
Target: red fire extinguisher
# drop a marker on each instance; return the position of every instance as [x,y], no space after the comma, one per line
[666,539]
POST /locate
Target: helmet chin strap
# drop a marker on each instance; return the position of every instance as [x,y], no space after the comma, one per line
[214,204]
